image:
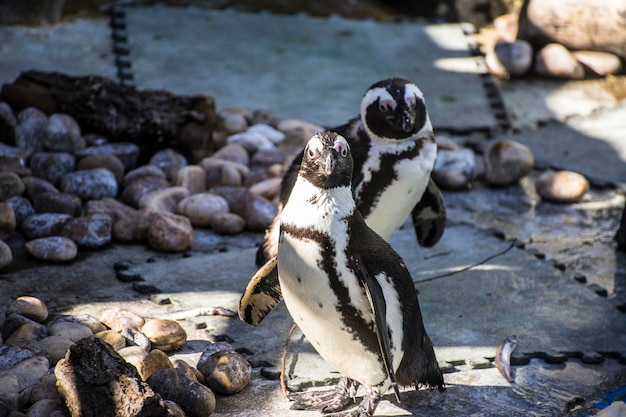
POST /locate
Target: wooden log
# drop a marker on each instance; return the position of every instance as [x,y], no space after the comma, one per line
[153,119]
[576,24]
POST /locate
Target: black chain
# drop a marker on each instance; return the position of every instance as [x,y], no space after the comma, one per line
[121,50]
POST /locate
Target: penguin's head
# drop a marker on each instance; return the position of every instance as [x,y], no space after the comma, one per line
[394,109]
[327,161]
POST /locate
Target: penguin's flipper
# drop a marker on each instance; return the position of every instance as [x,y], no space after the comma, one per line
[377,301]
[429,216]
[262,294]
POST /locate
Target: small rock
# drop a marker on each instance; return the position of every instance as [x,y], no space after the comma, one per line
[233,120]
[54,248]
[119,319]
[116,340]
[7,220]
[274,135]
[189,371]
[62,134]
[555,60]
[21,209]
[195,399]
[269,188]
[259,212]
[165,335]
[30,307]
[11,162]
[226,372]
[151,363]
[201,208]
[193,178]
[13,322]
[169,161]
[136,189]
[8,122]
[228,224]
[297,132]
[35,186]
[509,59]
[44,389]
[55,202]
[90,184]
[56,347]
[143,171]
[164,199]
[251,141]
[127,153]
[10,185]
[94,139]
[28,371]
[70,330]
[11,356]
[264,117]
[104,160]
[44,408]
[266,158]
[169,232]
[599,63]
[30,128]
[211,163]
[236,197]
[174,410]
[132,226]
[562,186]
[454,169]
[226,174]
[27,331]
[52,166]
[506,162]
[92,231]
[93,323]
[44,225]
[233,152]
[133,354]
[6,257]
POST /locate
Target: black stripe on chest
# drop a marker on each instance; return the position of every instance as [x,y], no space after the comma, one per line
[353,321]
[380,180]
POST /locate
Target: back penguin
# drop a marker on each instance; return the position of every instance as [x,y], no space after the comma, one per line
[394,151]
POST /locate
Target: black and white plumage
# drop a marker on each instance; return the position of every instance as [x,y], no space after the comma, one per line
[394,151]
[346,288]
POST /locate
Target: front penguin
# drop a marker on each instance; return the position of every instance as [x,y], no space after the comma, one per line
[347,289]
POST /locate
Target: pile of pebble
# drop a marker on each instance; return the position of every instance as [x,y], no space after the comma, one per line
[82,191]
[38,367]
[511,56]
[502,163]
[64,190]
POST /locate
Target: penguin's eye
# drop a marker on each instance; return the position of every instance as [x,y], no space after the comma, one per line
[411,102]
[311,153]
[386,106]
[344,152]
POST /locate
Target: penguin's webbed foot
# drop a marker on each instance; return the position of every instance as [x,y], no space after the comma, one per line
[327,401]
[366,407]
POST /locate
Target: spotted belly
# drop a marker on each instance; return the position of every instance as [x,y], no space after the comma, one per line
[313,306]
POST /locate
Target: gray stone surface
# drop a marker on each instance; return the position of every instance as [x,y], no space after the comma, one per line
[274,62]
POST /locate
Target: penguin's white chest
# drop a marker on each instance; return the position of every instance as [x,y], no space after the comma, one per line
[306,286]
[314,307]
[398,200]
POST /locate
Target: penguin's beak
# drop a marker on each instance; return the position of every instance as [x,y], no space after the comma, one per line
[405,120]
[328,163]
